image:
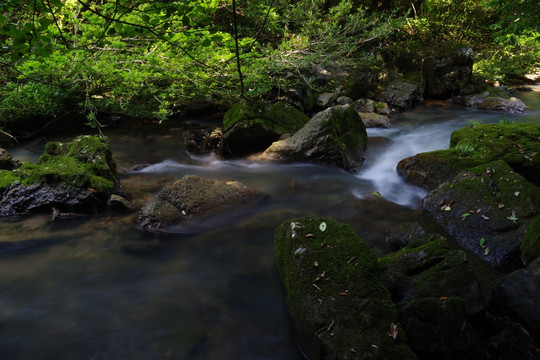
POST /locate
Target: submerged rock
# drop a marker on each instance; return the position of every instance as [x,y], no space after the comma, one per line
[486,101]
[190,200]
[338,305]
[488,209]
[336,136]
[251,127]
[76,176]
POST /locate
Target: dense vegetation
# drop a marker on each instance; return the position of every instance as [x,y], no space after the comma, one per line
[148,59]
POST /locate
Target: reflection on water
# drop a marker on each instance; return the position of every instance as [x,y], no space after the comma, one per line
[72,291]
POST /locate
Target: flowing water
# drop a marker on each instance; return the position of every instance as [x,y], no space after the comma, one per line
[77,290]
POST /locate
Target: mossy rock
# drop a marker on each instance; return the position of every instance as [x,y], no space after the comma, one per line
[338,305]
[251,127]
[71,176]
[517,144]
[335,136]
[429,268]
[488,209]
[530,246]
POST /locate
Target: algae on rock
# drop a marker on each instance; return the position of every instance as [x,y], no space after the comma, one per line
[337,302]
[79,175]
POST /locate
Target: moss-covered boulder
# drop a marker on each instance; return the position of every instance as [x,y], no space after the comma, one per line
[336,136]
[76,176]
[251,127]
[429,268]
[517,144]
[435,291]
[488,209]
[338,305]
[191,202]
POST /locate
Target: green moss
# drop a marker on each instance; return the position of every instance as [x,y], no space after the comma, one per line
[7,177]
[84,162]
[334,292]
[530,246]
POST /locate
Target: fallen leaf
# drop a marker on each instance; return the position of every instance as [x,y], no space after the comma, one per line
[393,331]
[482,241]
[448,208]
[315,263]
[322,226]
[516,193]
[486,251]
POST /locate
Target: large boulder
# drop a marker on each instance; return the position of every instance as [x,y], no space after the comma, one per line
[192,200]
[435,291]
[447,73]
[251,127]
[338,305]
[336,136]
[517,144]
[518,295]
[488,209]
[402,95]
[74,176]
[429,268]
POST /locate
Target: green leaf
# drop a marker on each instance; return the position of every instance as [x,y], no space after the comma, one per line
[464,216]
[322,226]
[482,241]
[145,18]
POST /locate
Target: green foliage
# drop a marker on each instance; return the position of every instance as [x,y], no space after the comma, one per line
[464,148]
[146,59]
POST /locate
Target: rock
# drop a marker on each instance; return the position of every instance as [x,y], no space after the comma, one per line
[251,127]
[201,141]
[344,100]
[338,305]
[301,97]
[518,296]
[447,73]
[6,161]
[402,95]
[364,105]
[119,203]
[78,176]
[430,268]
[513,343]
[517,144]
[336,136]
[373,120]
[326,100]
[400,235]
[191,200]
[530,246]
[511,105]
[488,209]
[437,328]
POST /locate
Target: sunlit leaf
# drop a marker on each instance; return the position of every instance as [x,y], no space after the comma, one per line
[322,226]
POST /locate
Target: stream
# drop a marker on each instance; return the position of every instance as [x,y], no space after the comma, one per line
[80,292]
